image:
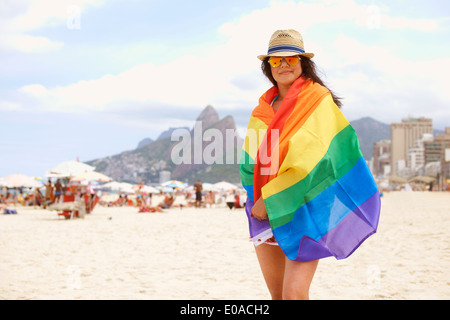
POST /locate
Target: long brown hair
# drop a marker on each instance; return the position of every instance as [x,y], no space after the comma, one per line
[309,71]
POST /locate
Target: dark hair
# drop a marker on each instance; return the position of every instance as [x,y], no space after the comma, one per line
[309,71]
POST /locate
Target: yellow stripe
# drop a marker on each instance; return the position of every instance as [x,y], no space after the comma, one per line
[255,134]
[308,146]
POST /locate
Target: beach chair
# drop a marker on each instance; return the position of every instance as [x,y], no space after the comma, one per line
[66,213]
[90,202]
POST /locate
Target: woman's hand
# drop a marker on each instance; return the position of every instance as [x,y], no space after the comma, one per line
[259,210]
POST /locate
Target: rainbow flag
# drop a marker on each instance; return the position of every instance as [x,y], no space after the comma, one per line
[306,163]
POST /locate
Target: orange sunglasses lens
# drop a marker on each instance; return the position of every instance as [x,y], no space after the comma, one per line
[276,61]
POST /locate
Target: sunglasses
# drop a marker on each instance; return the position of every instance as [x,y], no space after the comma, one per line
[276,61]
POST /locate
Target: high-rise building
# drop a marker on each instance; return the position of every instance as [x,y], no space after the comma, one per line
[434,150]
[403,136]
[381,158]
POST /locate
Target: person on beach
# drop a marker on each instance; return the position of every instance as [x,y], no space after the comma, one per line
[198,187]
[48,192]
[310,194]
[58,190]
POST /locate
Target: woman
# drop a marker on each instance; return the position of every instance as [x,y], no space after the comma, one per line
[310,193]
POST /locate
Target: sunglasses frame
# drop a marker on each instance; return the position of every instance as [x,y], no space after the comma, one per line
[284,58]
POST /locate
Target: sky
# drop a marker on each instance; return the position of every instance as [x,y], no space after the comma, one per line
[88,79]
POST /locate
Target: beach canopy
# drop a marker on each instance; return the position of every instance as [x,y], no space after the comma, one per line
[149,189]
[397,180]
[146,189]
[225,186]
[119,187]
[69,169]
[19,180]
[422,179]
[174,184]
[206,186]
[92,176]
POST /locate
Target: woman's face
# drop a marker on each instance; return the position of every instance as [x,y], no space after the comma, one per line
[285,74]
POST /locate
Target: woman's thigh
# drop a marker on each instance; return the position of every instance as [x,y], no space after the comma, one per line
[272,262]
[297,279]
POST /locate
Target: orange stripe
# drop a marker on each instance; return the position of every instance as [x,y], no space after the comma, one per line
[306,104]
[300,102]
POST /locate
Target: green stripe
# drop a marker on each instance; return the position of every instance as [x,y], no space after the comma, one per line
[342,155]
[246,168]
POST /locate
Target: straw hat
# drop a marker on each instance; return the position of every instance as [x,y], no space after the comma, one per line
[285,43]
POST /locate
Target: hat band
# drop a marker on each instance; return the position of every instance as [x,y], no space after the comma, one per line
[280,48]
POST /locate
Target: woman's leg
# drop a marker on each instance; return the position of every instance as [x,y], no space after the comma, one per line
[272,262]
[297,279]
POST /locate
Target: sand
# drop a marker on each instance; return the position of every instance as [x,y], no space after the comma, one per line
[118,253]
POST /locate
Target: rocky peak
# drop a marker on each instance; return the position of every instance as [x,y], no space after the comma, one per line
[208,116]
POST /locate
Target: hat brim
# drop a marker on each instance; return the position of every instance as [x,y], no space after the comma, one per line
[285,54]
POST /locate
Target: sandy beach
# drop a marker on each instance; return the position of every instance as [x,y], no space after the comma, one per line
[118,253]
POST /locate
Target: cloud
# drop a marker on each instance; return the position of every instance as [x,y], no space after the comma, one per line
[376,82]
[227,75]
[19,18]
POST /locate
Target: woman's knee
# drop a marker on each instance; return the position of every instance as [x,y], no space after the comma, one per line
[291,293]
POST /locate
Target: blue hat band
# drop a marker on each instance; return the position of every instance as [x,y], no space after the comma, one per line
[280,48]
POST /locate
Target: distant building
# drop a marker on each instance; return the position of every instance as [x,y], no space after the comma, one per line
[435,153]
[445,164]
[381,158]
[403,137]
[416,154]
[435,149]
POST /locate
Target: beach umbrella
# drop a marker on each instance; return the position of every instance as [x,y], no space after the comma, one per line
[126,188]
[69,169]
[149,189]
[422,179]
[92,176]
[20,180]
[174,184]
[167,189]
[113,186]
[225,186]
[397,180]
[208,187]
[119,186]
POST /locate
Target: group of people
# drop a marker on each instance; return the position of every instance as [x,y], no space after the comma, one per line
[166,203]
[52,194]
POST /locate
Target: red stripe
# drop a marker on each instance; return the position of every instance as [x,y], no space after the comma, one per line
[267,145]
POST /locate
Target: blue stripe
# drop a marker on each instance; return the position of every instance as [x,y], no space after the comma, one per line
[320,215]
[249,190]
[285,48]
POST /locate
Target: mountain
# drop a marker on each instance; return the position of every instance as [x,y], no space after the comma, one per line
[209,152]
[144,142]
[168,133]
[369,132]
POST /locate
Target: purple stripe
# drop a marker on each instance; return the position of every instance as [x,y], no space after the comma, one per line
[347,236]
[255,226]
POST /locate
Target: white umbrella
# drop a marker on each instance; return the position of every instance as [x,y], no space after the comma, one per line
[226,186]
[119,186]
[69,169]
[208,186]
[113,185]
[20,180]
[149,189]
[92,176]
